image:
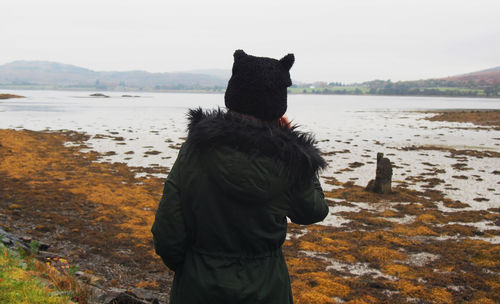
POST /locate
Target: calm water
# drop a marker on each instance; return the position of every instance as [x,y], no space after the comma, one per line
[390,119]
[360,126]
[73,110]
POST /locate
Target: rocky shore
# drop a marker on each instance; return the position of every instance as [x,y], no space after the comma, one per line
[417,246]
[95,215]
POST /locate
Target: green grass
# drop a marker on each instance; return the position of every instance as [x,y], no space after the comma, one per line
[20,282]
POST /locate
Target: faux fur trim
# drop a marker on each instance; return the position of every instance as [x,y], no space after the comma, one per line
[295,150]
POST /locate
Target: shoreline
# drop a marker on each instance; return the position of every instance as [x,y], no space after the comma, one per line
[222,92]
[417,244]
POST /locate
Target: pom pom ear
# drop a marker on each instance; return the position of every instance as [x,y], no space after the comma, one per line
[238,54]
[287,61]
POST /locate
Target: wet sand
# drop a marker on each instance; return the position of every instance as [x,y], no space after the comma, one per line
[419,244]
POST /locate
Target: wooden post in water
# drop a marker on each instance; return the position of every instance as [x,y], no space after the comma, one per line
[383,176]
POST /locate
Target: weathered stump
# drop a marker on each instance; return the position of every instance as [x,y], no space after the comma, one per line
[383,176]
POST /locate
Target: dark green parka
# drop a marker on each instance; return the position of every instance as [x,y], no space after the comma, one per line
[222,218]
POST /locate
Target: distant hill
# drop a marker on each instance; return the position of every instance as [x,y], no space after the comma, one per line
[221,73]
[54,75]
[484,83]
[489,76]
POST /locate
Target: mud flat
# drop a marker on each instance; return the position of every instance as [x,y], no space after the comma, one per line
[435,239]
[482,118]
[459,159]
[409,246]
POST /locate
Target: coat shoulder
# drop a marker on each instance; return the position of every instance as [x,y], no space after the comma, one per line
[293,150]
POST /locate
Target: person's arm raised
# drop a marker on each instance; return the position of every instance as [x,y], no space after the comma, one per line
[308,206]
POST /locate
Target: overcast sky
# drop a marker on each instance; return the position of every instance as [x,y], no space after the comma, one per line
[333,40]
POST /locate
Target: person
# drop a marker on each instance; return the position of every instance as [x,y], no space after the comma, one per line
[241,172]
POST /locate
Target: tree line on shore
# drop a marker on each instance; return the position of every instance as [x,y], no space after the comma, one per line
[431,87]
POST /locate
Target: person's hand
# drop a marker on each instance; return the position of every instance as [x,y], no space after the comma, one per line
[285,122]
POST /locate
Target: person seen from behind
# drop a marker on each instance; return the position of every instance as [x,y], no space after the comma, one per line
[222,218]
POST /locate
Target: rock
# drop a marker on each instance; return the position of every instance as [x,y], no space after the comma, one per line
[79,273]
[110,294]
[90,279]
[99,95]
[122,296]
[26,239]
[383,176]
[44,255]
[24,242]
[145,294]
[478,232]
[43,246]
[6,241]
[375,284]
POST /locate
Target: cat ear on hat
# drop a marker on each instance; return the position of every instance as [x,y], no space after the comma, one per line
[238,54]
[287,61]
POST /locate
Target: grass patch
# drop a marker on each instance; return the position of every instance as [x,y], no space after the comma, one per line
[23,279]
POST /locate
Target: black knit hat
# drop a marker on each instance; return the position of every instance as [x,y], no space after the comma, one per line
[258,85]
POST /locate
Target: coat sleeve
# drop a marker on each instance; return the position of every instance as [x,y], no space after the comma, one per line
[308,206]
[169,230]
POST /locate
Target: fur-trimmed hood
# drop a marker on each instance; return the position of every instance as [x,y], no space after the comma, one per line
[295,151]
